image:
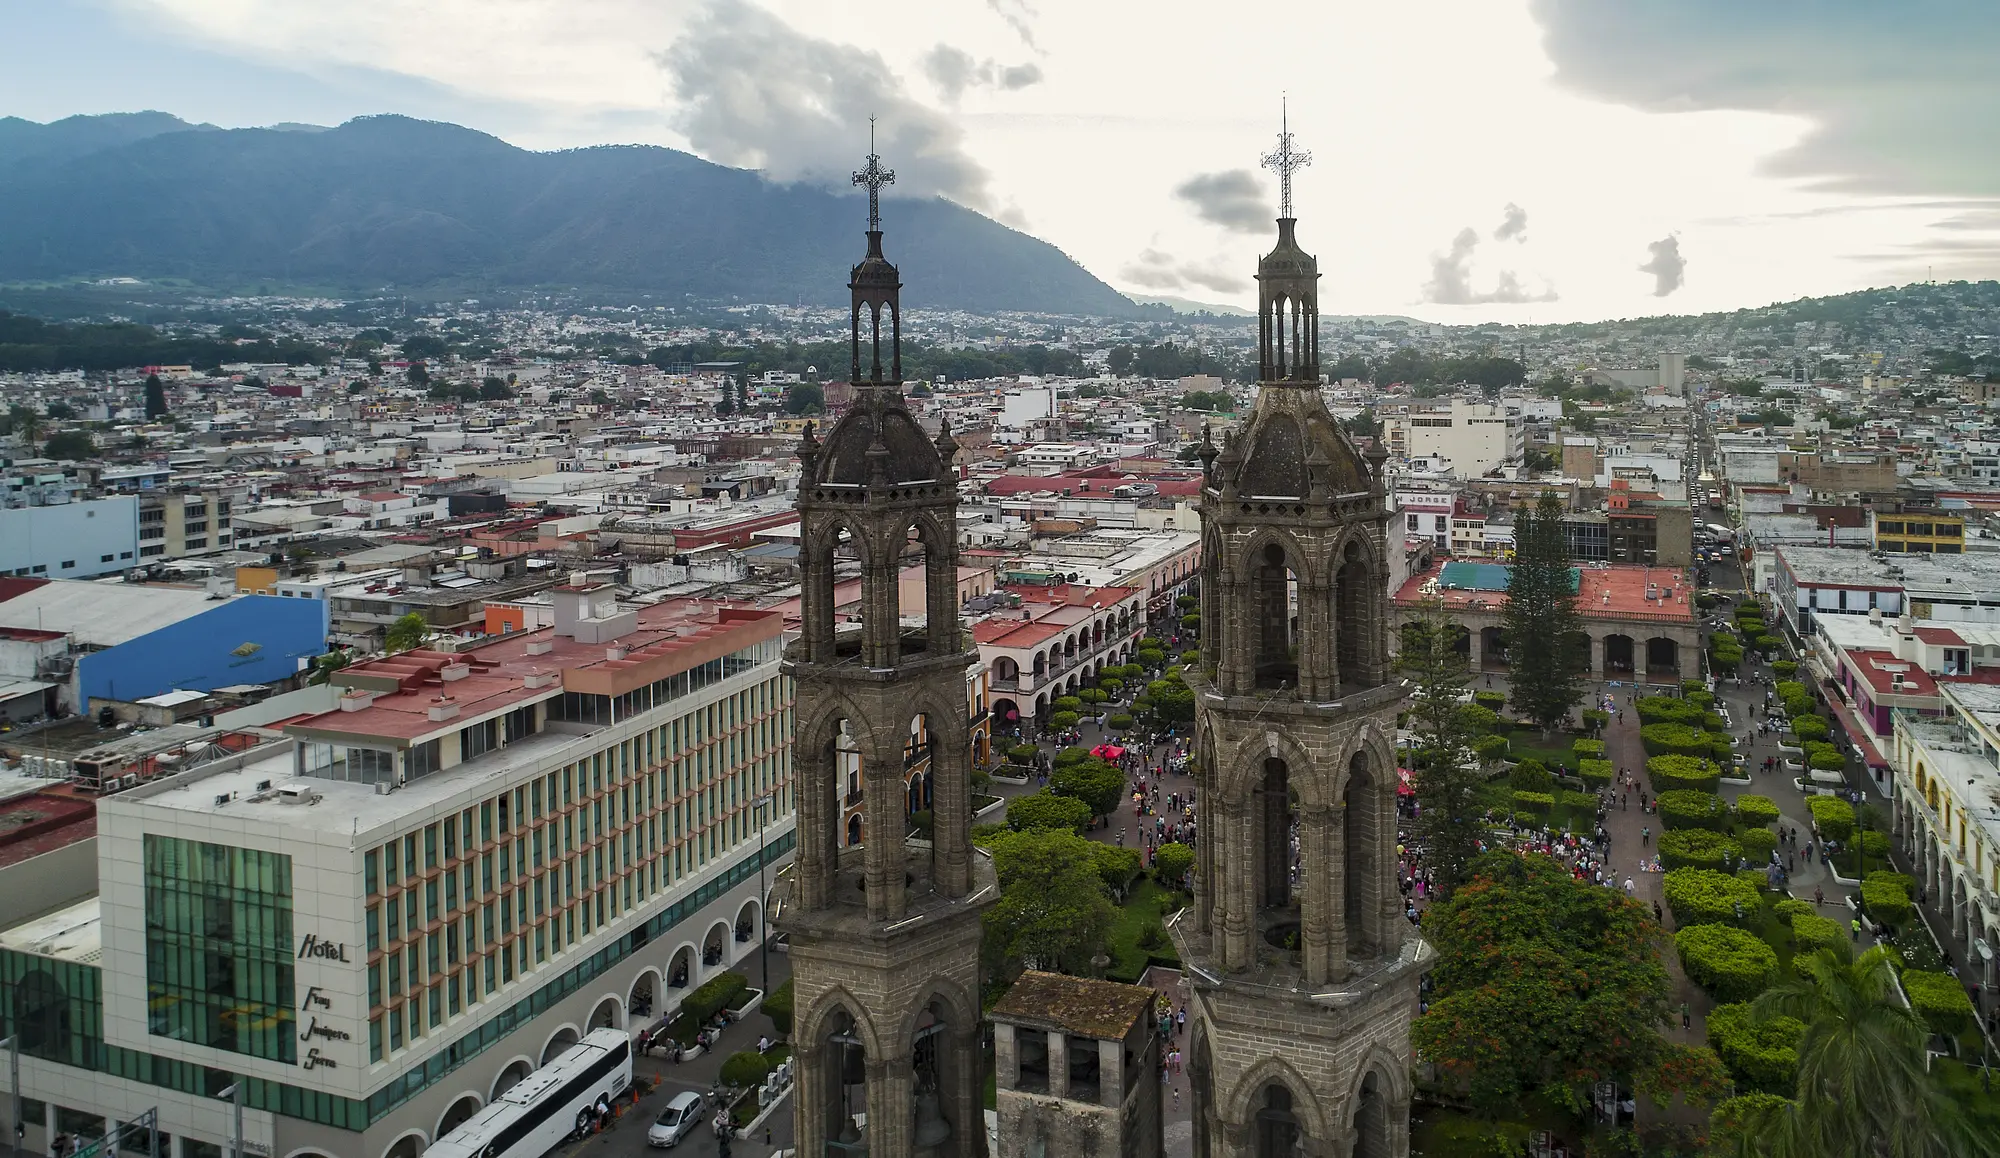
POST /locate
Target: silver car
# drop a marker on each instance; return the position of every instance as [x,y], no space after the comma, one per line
[674,1122]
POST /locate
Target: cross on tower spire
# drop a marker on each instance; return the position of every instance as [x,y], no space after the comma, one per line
[874,177]
[1283,160]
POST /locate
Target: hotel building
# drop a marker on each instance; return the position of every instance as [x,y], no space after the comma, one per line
[394,910]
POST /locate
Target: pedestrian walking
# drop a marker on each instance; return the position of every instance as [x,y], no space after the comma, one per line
[1687,1020]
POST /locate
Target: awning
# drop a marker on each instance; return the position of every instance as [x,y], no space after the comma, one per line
[1864,741]
[15,689]
[1108,751]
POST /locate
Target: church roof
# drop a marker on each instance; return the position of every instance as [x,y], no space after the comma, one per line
[1078,1005]
[879,426]
[1291,445]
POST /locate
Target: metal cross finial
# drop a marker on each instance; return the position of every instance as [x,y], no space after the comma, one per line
[875,176]
[1284,161]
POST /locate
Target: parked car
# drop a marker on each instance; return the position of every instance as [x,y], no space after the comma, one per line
[676,1121]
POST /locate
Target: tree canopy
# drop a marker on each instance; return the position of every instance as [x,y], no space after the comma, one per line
[1054,907]
[1544,983]
[1447,780]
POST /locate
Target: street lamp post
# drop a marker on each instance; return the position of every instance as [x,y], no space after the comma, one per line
[235,1095]
[768,800]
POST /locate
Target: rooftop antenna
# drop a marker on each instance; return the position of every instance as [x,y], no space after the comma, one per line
[1284,160]
[874,177]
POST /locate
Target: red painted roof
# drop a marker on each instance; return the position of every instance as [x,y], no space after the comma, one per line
[1940,635]
[1879,668]
[12,588]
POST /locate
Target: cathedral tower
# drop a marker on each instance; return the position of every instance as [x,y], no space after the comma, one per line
[1303,971]
[884,923]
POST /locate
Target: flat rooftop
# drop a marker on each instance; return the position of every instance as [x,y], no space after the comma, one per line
[1937,576]
[1619,592]
[344,806]
[671,637]
[72,934]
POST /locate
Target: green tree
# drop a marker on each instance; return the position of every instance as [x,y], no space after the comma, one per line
[156,398]
[70,444]
[492,389]
[1046,810]
[1171,863]
[1863,1086]
[406,633]
[725,405]
[26,422]
[1549,653]
[1450,822]
[805,398]
[1545,984]
[1095,782]
[324,666]
[418,374]
[1054,907]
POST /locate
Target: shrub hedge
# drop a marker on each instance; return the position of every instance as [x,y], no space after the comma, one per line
[1760,1055]
[1688,808]
[1887,902]
[1119,722]
[1490,747]
[1832,816]
[1541,802]
[1810,728]
[1758,810]
[1790,909]
[1670,772]
[1698,848]
[778,1007]
[1757,844]
[1812,931]
[1706,897]
[1669,710]
[1588,749]
[1491,701]
[1531,776]
[1939,1000]
[1596,773]
[717,994]
[1729,964]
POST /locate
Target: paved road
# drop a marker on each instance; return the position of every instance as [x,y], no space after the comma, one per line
[627,1136]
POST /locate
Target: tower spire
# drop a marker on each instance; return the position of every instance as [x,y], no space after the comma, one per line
[1283,160]
[874,176]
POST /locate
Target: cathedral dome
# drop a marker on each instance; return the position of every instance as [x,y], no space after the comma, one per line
[877,430]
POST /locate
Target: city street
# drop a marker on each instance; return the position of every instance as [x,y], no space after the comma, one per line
[626,1138]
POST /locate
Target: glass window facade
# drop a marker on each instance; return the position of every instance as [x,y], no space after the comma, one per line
[219,947]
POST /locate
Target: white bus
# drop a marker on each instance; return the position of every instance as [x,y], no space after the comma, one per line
[548,1105]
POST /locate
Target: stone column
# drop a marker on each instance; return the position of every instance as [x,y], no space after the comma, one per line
[812,1097]
[962,1101]
[1058,1064]
[1319,642]
[881,616]
[941,601]
[818,798]
[951,801]
[1238,924]
[1322,932]
[1384,902]
[884,802]
[890,1117]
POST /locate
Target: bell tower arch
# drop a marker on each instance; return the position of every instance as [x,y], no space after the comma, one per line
[1295,921]
[884,924]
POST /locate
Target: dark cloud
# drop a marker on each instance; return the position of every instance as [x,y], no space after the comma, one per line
[756,92]
[954,70]
[1513,224]
[1903,96]
[1668,267]
[1233,199]
[1019,76]
[1451,278]
[1153,269]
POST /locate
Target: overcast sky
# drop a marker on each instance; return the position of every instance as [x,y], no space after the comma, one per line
[1518,160]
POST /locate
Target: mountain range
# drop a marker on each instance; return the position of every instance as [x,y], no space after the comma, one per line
[391,202]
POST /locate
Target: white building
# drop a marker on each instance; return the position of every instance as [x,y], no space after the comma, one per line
[397,912]
[1475,436]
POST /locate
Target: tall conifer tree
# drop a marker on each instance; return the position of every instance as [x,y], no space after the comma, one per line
[1548,654]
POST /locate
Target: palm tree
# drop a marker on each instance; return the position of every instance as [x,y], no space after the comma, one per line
[406,633]
[1864,1090]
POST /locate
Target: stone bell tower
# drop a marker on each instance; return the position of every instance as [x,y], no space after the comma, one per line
[1303,972]
[884,923]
